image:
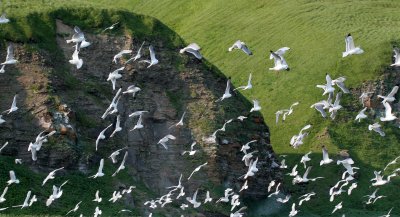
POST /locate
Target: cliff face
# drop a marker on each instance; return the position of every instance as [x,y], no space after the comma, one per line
[54,95]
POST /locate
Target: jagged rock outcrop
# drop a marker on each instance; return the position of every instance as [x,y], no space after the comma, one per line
[55,95]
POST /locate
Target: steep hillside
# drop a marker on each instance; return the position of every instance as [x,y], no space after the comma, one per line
[54,95]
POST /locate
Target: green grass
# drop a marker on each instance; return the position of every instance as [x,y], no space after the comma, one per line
[314,30]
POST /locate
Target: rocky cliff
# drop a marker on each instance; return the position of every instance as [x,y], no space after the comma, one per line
[52,94]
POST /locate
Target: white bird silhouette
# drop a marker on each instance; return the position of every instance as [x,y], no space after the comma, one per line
[10,56]
[252,169]
[197,169]
[4,19]
[192,151]
[113,107]
[337,207]
[5,145]
[256,106]
[26,201]
[77,37]
[193,201]
[51,175]
[328,88]
[97,212]
[244,186]
[305,159]
[99,171]
[13,178]
[120,54]
[13,106]
[294,171]
[132,89]
[137,56]
[325,157]
[2,120]
[351,188]
[340,83]
[111,27]
[396,57]
[101,135]
[122,165]
[113,76]
[192,48]
[227,193]
[293,212]
[379,178]
[2,198]
[116,196]
[306,197]
[117,126]
[165,139]
[388,113]
[388,214]
[247,87]
[75,208]
[97,198]
[139,123]
[333,109]
[361,115]
[304,179]
[390,163]
[283,200]
[114,155]
[246,146]
[350,48]
[279,61]
[242,46]
[227,93]
[78,62]
[377,128]
[208,198]
[390,97]
[180,122]
[153,60]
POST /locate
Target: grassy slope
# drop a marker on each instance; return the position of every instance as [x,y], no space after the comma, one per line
[315,31]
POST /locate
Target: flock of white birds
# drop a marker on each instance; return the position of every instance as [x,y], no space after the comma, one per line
[250,160]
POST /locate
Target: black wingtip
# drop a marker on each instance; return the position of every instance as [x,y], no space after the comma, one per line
[288,69]
[271,51]
[250,53]
[348,34]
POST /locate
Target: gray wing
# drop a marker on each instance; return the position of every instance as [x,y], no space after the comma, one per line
[10,52]
[342,87]
[246,50]
[152,53]
[196,53]
[394,91]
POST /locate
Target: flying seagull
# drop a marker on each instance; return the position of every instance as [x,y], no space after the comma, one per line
[101,136]
[390,97]
[120,54]
[350,48]
[100,170]
[4,19]
[197,169]
[361,115]
[377,128]
[111,27]
[75,59]
[163,141]
[192,48]
[132,89]
[10,56]
[113,76]
[242,46]
[153,60]
[51,175]
[137,56]
[247,87]
[77,37]
[279,61]
[227,93]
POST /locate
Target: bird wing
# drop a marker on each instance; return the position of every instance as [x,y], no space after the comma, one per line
[349,43]
[100,170]
[307,172]
[194,46]
[152,53]
[12,175]
[282,51]
[274,56]
[4,192]
[388,109]
[77,29]
[337,100]
[10,52]
[14,103]
[393,92]
[196,53]
[169,136]
[246,49]
[325,154]
[342,87]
